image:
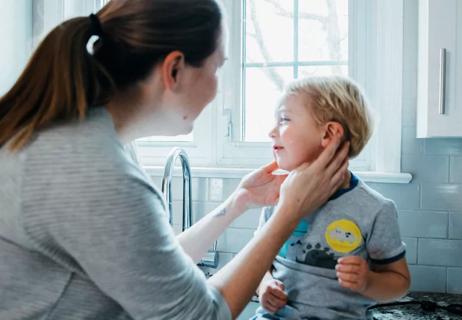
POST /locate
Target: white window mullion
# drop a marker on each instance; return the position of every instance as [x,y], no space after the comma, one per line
[389,84]
[16,35]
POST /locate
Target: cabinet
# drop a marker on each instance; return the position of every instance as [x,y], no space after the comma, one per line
[439,89]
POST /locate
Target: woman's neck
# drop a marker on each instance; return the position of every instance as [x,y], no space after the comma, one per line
[135,112]
[123,108]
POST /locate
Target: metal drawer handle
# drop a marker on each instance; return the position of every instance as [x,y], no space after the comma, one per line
[442,89]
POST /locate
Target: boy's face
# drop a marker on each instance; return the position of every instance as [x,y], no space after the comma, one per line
[296,137]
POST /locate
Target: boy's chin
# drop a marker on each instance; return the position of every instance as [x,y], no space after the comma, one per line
[288,166]
[285,166]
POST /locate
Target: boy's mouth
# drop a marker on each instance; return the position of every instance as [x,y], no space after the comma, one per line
[277,148]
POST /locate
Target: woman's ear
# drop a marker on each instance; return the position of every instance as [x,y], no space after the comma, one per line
[172,69]
[331,129]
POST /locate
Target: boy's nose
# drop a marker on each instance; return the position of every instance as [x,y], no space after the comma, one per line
[272,133]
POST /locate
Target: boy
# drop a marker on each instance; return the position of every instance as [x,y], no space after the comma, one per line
[348,254]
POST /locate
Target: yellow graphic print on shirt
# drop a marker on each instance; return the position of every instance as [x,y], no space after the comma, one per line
[343,236]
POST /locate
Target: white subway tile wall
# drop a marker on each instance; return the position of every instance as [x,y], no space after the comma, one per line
[454,280]
[433,237]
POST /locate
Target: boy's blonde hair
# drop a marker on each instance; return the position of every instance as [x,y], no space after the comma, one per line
[337,99]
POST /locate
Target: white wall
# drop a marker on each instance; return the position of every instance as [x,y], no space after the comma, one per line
[16,39]
[49,13]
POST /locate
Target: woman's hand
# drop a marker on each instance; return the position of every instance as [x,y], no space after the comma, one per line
[310,185]
[259,188]
[352,273]
[272,296]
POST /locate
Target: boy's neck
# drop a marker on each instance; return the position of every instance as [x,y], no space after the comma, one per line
[346,181]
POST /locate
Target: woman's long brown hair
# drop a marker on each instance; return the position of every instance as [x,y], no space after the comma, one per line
[62,79]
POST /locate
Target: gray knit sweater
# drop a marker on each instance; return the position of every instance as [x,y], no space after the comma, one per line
[84,235]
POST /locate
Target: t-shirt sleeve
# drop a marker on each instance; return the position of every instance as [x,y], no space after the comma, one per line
[384,244]
[115,228]
[264,217]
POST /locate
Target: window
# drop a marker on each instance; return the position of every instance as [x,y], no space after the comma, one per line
[275,50]
[286,40]
[268,46]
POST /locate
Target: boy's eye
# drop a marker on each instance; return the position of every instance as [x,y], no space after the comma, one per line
[283,119]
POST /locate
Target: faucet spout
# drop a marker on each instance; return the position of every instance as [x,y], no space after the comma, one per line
[167,186]
[211,259]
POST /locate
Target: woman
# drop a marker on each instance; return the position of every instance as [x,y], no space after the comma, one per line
[83,233]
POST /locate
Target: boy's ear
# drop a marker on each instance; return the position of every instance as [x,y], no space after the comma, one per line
[172,69]
[331,129]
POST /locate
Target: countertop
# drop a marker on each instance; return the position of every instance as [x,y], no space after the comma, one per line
[415,311]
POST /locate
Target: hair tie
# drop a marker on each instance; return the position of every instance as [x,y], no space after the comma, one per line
[95,25]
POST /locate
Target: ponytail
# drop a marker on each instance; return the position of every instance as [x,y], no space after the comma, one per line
[62,80]
[59,82]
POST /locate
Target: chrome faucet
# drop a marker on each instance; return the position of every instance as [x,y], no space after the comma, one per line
[167,186]
[211,258]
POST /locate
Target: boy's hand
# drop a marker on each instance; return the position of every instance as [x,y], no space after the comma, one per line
[352,273]
[272,295]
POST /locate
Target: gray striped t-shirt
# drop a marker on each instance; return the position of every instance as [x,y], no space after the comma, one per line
[84,235]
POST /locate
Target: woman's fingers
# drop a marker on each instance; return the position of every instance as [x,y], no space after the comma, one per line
[328,153]
[309,185]
[339,159]
[270,167]
[339,176]
[280,178]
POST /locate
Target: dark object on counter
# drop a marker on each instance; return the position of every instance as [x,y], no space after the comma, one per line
[420,305]
[425,305]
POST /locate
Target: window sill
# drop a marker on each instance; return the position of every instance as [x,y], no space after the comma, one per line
[238,173]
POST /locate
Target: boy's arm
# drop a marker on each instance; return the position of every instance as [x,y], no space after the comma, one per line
[388,282]
[383,283]
[389,277]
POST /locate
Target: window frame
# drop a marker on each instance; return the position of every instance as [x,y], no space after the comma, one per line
[232,151]
[368,44]
[214,142]
[375,35]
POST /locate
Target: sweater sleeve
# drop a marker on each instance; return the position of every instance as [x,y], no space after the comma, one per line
[113,224]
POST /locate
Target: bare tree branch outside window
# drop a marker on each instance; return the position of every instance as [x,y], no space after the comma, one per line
[267,64]
[329,24]
[270,72]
